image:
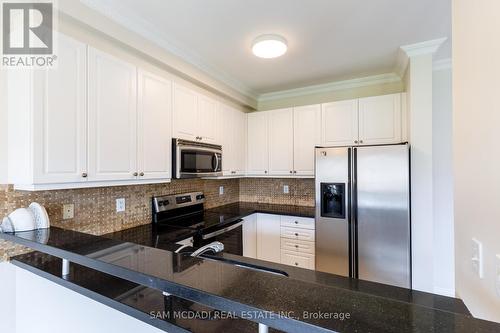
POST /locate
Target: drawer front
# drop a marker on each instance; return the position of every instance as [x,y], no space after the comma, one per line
[297,246]
[297,222]
[297,260]
[297,234]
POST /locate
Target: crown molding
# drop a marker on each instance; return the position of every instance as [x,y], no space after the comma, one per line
[142,27]
[442,64]
[331,86]
[412,50]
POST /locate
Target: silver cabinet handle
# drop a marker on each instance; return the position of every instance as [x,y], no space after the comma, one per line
[84,175]
[141,174]
[135,174]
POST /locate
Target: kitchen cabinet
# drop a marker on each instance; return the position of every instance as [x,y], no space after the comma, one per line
[280,143]
[48,119]
[268,237]
[339,123]
[195,115]
[154,130]
[112,118]
[257,144]
[301,260]
[306,136]
[250,236]
[232,134]
[380,119]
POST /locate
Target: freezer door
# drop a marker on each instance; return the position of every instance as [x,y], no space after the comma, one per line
[383,214]
[332,210]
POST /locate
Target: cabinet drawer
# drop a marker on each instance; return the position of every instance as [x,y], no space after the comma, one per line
[297,246]
[297,260]
[297,222]
[297,234]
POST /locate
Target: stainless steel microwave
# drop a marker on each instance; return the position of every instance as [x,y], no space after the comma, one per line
[192,159]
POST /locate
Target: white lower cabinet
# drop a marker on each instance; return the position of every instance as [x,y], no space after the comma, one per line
[268,237]
[283,239]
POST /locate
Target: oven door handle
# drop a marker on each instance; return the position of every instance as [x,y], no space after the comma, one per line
[224,230]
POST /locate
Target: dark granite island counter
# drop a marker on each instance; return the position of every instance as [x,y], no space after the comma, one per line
[289,304]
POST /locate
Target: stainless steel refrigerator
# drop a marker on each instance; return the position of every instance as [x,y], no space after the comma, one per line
[363,213]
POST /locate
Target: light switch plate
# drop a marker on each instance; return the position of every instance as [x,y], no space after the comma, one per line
[477,257]
[68,211]
[221,190]
[497,276]
[286,189]
[120,205]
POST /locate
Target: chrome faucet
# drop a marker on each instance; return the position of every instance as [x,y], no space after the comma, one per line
[215,247]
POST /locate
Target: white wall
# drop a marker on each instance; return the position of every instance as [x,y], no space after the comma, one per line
[442,117]
[476,128]
[56,309]
[3,127]
[7,297]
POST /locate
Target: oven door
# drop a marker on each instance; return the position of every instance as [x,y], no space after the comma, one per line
[231,236]
[193,161]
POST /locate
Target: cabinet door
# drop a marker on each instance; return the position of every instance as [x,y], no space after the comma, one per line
[154,126]
[281,142]
[60,120]
[207,119]
[112,117]
[268,237]
[257,144]
[339,123]
[240,139]
[250,236]
[301,260]
[306,136]
[226,135]
[380,119]
[185,109]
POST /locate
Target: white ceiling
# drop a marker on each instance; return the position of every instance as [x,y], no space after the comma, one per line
[329,40]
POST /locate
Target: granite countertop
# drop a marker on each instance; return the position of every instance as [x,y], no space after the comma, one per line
[238,290]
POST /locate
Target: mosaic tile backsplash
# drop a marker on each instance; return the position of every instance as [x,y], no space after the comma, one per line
[95,208]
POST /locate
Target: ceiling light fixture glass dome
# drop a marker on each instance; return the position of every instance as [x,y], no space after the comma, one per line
[269,46]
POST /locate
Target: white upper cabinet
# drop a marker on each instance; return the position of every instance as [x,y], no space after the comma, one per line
[257,145]
[195,115]
[339,123]
[207,119]
[154,134]
[60,116]
[380,119]
[112,118]
[306,136]
[185,113]
[281,142]
[233,137]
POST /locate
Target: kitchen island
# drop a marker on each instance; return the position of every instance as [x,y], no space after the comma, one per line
[297,301]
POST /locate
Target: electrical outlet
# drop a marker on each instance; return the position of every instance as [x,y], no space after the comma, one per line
[120,205]
[477,257]
[286,189]
[221,190]
[68,211]
[497,276]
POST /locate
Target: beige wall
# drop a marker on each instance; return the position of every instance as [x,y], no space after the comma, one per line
[332,96]
[476,69]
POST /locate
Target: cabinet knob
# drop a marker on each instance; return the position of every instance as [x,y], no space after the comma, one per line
[296,234]
[135,174]
[291,171]
[141,174]
[265,171]
[294,171]
[360,141]
[296,222]
[296,264]
[355,141]
[296,246]
[84,175]
[201,138]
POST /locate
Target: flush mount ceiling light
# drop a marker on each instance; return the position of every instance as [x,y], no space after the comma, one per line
[269,46]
